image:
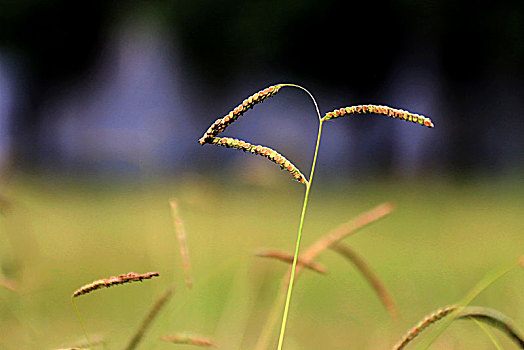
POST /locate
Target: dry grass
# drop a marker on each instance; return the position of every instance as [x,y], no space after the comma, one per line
[188,340]
[182,242]
[150,317]
[286,257]
[346,229]
[369,275]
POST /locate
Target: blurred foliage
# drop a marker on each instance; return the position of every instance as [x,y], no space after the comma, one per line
[440,241]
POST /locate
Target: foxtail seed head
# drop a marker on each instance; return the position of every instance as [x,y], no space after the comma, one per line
[384,110]
[114,280]
[221,124]
[429,320]
[267,152]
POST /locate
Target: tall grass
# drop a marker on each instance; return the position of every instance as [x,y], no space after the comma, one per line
[221,124]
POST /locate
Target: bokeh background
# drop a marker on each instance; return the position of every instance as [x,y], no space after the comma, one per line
[101,107]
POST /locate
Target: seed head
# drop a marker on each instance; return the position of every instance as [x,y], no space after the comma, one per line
[384,110]
[222,123]
[114,280]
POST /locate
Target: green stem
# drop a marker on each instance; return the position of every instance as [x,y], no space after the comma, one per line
[299,237]
[488,333]
[81,322]
[314,102]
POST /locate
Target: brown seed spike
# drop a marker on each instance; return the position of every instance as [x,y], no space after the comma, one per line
[112,281]
[259,150]
[384,110]
[221,124]
[429,320]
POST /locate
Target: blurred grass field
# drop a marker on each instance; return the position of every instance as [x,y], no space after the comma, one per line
[442,239]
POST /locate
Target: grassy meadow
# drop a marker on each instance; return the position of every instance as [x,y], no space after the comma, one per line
[442,239]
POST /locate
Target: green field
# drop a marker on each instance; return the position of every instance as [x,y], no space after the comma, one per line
[441,240]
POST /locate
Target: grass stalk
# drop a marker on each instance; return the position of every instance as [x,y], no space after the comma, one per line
[81,320]
[299,237]
[210,137]
[488,334]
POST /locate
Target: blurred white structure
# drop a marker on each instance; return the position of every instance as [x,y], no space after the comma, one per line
[130,114]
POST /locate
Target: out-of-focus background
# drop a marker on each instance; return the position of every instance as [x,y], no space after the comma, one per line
[101,107]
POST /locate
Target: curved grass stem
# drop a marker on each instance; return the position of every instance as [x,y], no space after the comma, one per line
[312,98]
[299,236]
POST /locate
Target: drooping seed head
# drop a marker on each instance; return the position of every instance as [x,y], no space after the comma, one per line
[221,124]
[384,110]
[264,151]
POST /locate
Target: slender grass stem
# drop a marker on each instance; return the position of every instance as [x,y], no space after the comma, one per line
[316,107]
[488,333]
[299,237]
[81,322]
